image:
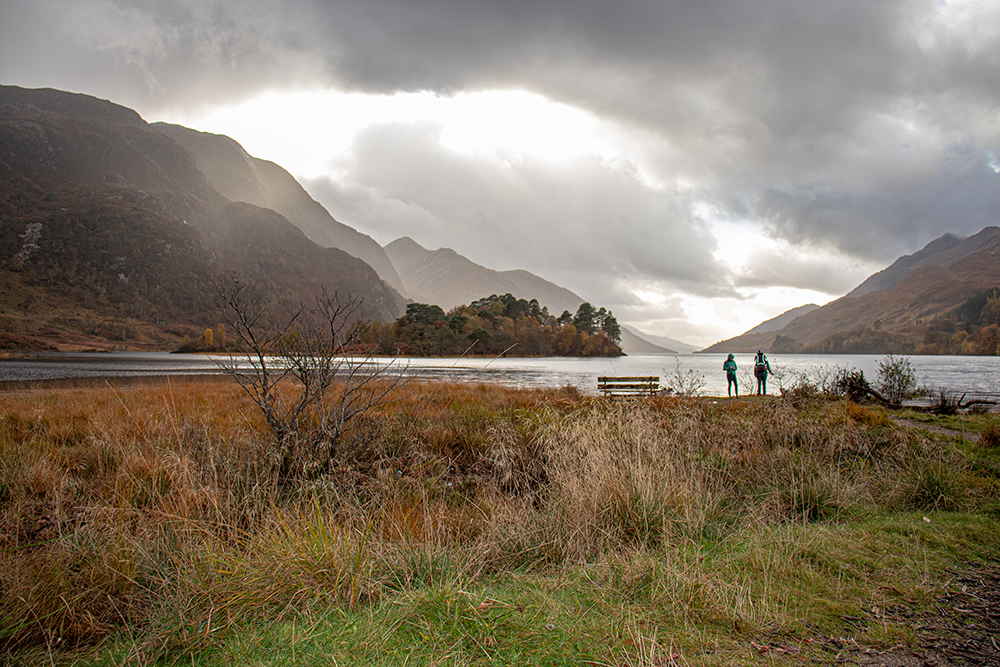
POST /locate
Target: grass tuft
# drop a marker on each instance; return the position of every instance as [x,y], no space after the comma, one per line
[989,437]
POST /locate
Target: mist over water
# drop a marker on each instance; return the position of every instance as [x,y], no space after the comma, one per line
[972,375]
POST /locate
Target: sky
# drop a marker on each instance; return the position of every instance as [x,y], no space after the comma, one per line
[695,166]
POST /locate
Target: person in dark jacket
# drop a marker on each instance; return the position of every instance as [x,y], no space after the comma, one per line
[730,367]
[761,369]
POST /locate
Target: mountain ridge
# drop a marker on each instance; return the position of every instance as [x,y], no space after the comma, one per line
[920,291]
[781,321]
[447,279]
[108,225]
[942,251]
[241,177]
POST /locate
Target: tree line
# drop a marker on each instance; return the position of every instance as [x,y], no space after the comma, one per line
[493,325]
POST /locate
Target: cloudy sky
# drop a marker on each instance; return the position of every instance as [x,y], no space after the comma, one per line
[696,166]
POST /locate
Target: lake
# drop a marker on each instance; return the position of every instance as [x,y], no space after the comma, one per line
[976,376]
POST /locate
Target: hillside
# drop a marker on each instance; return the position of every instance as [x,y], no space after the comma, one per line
[444,278]
[242,177]
[943,251]
[926,291]
[112,234]
[633,343]
[783,320]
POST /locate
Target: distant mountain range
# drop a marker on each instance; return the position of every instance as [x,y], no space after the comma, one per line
[447,279]
[651,344]
[118,232]
[634,342]
[903,297]
[112,233]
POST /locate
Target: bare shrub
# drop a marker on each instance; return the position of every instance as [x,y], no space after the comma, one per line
[684,383]
[300,375]
[748,383]
[786,378]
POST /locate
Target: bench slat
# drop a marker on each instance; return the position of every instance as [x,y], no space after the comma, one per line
[628,385]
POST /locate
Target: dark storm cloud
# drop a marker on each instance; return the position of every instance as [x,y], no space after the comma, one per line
[818,119]
[155,55]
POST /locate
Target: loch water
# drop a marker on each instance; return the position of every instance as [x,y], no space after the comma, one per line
[973,376]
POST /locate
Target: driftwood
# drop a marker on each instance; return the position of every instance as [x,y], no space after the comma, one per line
[948,406]
[882,400]
[856,387]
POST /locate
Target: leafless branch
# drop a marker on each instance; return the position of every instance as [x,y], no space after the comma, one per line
[300,373]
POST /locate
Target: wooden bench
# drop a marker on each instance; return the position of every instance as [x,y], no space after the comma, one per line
[628,386]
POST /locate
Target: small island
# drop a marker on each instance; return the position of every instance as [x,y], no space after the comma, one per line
[494,325]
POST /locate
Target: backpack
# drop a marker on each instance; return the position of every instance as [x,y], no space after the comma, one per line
[760,364]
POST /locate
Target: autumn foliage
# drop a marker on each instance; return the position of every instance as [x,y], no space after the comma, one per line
[495,325]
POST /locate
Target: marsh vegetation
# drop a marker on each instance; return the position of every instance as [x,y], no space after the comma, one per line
[475,524]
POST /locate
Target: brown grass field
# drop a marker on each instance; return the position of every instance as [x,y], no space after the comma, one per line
[142,523]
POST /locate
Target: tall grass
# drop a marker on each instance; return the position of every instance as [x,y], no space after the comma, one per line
[154,509]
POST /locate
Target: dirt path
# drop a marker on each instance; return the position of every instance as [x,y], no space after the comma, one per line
[962,629]
[968,435]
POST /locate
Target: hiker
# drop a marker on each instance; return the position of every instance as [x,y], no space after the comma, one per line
[730,367]
[761,369]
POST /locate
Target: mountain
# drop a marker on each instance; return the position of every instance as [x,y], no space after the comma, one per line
[779,322]
[943,251]
[634,343]
[670,344]
[111,232]
[241,177]
[918,290]
[444,278]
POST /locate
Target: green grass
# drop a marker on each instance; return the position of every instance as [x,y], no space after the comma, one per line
[791,586]
[971,422]
[982,452]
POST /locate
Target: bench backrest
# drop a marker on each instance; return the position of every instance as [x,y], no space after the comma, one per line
[620,385]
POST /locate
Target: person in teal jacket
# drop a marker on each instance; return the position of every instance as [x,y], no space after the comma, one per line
[730,367]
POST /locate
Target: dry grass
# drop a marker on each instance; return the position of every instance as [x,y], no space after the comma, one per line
[990,436]
[155,506]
